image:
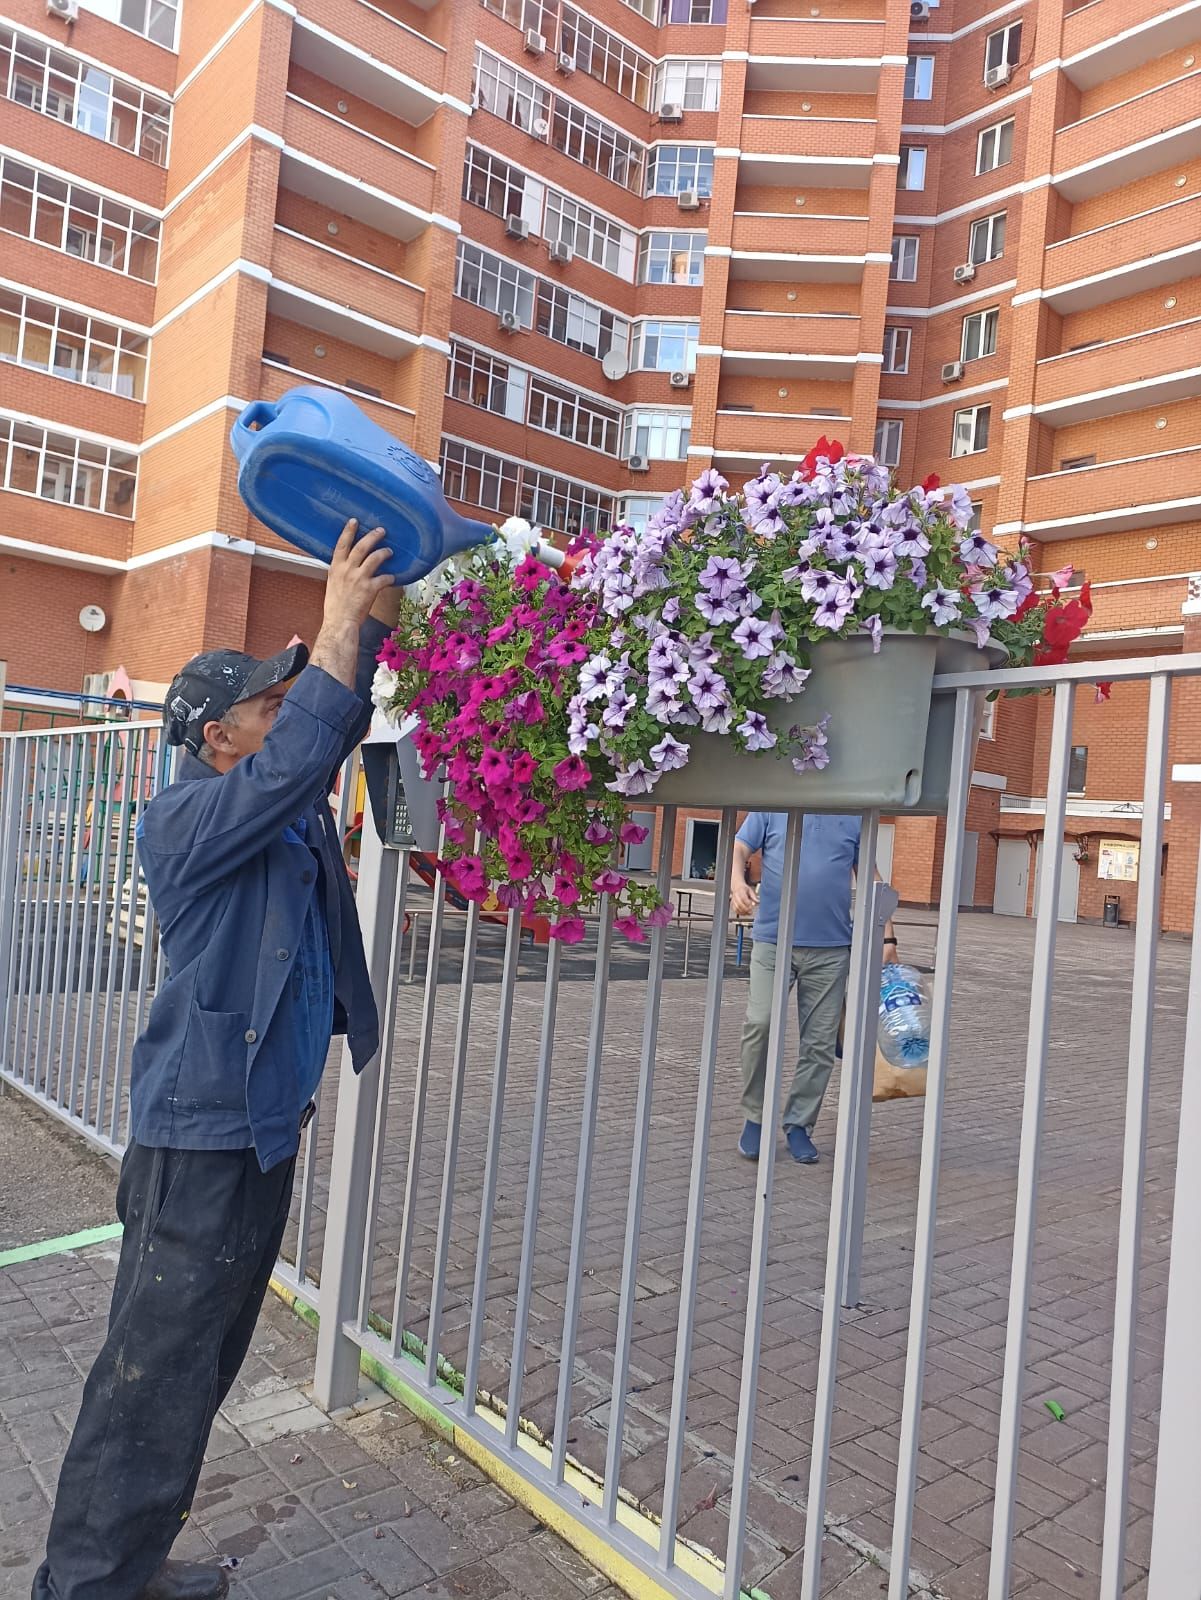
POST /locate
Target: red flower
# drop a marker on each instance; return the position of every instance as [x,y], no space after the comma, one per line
[830,449]
[1028,604]
[1065,622]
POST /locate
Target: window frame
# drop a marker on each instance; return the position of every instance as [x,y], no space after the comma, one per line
[1010,53]
[919,74]
[899,255]
[899,332]
[908,151]
[888,428]
[990,226]
[998,129]
[651,247]
[988,321]
[980,414]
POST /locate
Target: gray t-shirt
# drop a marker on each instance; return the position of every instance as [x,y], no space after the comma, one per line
[829,854]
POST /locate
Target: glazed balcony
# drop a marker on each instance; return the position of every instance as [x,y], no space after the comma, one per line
[311,265]
[1115,496]
[830,152]
[351,42]
[1102,39]
[1129,140]
[1144,251]
[1140,369]
[323,156]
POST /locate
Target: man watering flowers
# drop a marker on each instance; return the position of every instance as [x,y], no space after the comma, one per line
[265,963]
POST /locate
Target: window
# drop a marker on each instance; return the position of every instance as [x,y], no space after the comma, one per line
[496,186]
[666,346]
[688,10]
[988,720]
[524,14]
[671,258]
[1003,48]
[912,172]
[511,95]
[888,441]
[64,216]
[58,466]
[579,323]
[61,86]
[481,379]
[919,77]
[896,349]
[977,521]
[645,8]
[904,258]
[497,285]
[596,238]
[71,345]
[658,435]
[596,144]
[605,57]
[573,416]
[157,19]
[636,510]
[674,167]
[479,478]
[994,147]
[986,240]
[695,85]
[969,432]
[979,335]
[1077,463]
[548,501]
[1077,769]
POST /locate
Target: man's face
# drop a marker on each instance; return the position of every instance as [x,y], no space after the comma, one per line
[243,730]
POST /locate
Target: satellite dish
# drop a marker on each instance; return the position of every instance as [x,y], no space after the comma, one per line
[92,619]
[615,366]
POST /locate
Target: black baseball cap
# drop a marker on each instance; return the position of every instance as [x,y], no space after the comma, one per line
[216,680]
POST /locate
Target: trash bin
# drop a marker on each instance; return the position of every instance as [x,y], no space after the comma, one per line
[1113,910]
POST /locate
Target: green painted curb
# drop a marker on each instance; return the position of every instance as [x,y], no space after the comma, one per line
[56,1247]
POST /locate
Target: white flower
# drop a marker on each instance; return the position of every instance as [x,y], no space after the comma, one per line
[384,686]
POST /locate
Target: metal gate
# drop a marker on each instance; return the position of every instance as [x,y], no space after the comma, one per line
[530,1219]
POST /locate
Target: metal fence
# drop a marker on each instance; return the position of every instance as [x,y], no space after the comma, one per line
[489,1213]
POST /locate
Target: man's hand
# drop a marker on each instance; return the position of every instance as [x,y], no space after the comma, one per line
[743,897]
[353,587]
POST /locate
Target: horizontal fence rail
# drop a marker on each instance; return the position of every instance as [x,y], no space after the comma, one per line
[732,1379]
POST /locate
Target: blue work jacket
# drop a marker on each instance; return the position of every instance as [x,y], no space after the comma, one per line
[231,895]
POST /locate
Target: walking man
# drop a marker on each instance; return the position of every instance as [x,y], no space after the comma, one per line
[820,956]
[265,963]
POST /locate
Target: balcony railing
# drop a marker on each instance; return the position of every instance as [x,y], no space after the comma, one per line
[808,137]
[767,437]
[373,31]
[822,37]
[1117,375]
[334,275]
[1118,37]
[362,155]
[1131,244]
[1116,139]
[802,334]
[1135,492]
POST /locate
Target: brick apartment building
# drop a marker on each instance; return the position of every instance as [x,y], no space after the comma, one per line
[576,260]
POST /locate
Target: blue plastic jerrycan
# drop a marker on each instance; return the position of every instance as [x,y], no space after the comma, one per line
[313,459]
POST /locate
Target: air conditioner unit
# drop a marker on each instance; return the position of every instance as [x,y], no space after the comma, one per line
[517,228]
[638,464]
[671,112]
[919,11]
[565,64]
[96,685]
[689,200]
[67,10]
[998,77]
[681,380]
[535,42]
[509,322]
[964,273]
[541,128]
[559,251]
[952,371]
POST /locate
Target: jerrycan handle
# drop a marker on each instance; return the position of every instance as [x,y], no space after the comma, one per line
[258,413]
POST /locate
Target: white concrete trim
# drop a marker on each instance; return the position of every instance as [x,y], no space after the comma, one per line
[955,395]
[1118,461]
[316,165]
[1110,156]
[251,131]
[1050,407]
[68,47]
[1185,507]
[988,780]
[57,425]
[969,27]
[226,402]
[64,556]
[249,269]
[986,113]
[183,547]
[1186,772]
[986,205]
[86,184]
[920,313]
[434,97]
[1127,34]
[15,287]
[215,50]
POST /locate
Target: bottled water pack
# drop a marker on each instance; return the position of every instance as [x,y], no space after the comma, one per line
[904,1017]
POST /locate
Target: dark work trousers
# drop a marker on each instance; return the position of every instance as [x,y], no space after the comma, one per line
[202,1231]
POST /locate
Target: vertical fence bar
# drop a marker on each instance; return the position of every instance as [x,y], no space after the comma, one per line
[1176,1529]
[49,859]
[761,1234]
[1026,1216]
[1134,1158]
[861,1018]
[127,741]
[131,934]
[61,918]
[962,752]
[425,1046]
[583,1182]
[16,766]
[36,878]
[533,1193]
[638,1160]
[454,1125]
[73,981]
[691,1262]
[496,1114]
[104,784]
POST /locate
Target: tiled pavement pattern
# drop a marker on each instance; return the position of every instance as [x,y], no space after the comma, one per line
[372,1507]
[1060,1496]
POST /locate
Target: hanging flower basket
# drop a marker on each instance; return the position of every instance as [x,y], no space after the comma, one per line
[773,648]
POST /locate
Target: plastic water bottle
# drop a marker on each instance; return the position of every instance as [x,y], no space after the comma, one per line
[904,1017]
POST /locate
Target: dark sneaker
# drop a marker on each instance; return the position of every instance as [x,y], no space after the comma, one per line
[748,1143]
[187,1580]
[801,1146]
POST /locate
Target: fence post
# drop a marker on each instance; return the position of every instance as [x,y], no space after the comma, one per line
[12,797]
[1175,1572]
[336,1374]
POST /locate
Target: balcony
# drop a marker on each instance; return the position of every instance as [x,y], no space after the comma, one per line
[345,151]
[313,310]
[777,344]
[1082,384]
[1115,496]
[394,419]
[798,249]
[1153,248]
[318,268]
[1104,39]
[1129,140]
[350,42]
[747,439]
[823,152]
[814,55]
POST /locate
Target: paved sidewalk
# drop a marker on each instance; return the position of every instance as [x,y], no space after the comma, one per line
[370,1507]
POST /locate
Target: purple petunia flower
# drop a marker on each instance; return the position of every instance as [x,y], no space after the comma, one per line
[995,602]
[975,550]
[942,604]
[835,608]
[875,627]
[707,492]
[879,567]
[592,677]
[637,778]
[757,637]
[669,754]
[755,731]
[783,677]
[708,689]
[722,574]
